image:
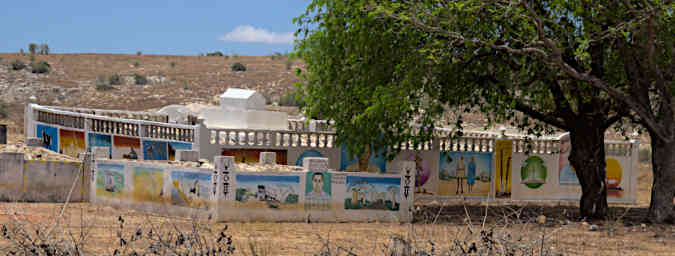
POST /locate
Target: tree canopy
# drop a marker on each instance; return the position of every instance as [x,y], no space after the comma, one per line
[373,66]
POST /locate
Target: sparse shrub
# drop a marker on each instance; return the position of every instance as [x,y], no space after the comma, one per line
[41,67]
[140,79]
[235,55]
[136,64]
[238,67]
[291,99]
[216,53]
[115,79]
[289,64]
[17,65]
[226,56]
[139,53]
[172,64]
[21,52]
[32,48]
[4,112]
[44,49]
[102,85]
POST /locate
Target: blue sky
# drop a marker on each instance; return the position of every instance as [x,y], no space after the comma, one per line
[252,28]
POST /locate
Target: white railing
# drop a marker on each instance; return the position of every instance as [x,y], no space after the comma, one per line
[114,125]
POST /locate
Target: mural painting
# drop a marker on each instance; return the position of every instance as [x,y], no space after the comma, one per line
[465,173]
[567,174]
[376,162]
[126,148]
[373,193]
[148,184]
[100,140]
[252,156]
[307,153]
[503,154]
[268,191]
[614,176]
[533,172]
[109,180]
[49,136]
[318,191]
[155,150]
[422,172]
[71,142]
[173,146]
[190,189]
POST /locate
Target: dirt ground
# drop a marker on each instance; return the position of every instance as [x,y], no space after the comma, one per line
[448,226]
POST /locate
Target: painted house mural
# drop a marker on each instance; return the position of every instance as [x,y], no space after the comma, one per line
[71,143]
[372,193]
[376,163]
[100,140]
[173,146]
[126,148]
[318,190]
[155,150]
[268,191]
[465,173]
[109,180]
[49,137]
[148,184]
[190,189]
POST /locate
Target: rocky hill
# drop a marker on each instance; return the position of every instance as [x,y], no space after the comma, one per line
[74,78]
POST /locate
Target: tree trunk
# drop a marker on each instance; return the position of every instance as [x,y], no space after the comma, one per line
[363,160]
[588,159]
[661,208]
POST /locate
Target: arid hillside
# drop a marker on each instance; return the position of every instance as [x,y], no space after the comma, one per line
[72,80]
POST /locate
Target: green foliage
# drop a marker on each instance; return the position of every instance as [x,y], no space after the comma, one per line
[366,76]
[136,64]
[172,64]
[238,67]
[102,84]
[32,48]
[216,53]
[140,79]
[40,67]
[115,79]
[17,65]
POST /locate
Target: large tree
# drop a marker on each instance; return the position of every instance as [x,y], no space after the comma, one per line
[457,53]
[623,48]
[641,36]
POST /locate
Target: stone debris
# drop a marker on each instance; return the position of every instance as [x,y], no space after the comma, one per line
[35,153]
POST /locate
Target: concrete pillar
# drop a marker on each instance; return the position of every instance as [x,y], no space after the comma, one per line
[222,183]
[407,190]
[187,155]
[268,158]
[315,164]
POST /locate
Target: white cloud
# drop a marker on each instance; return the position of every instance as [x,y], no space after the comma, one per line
[250,34]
